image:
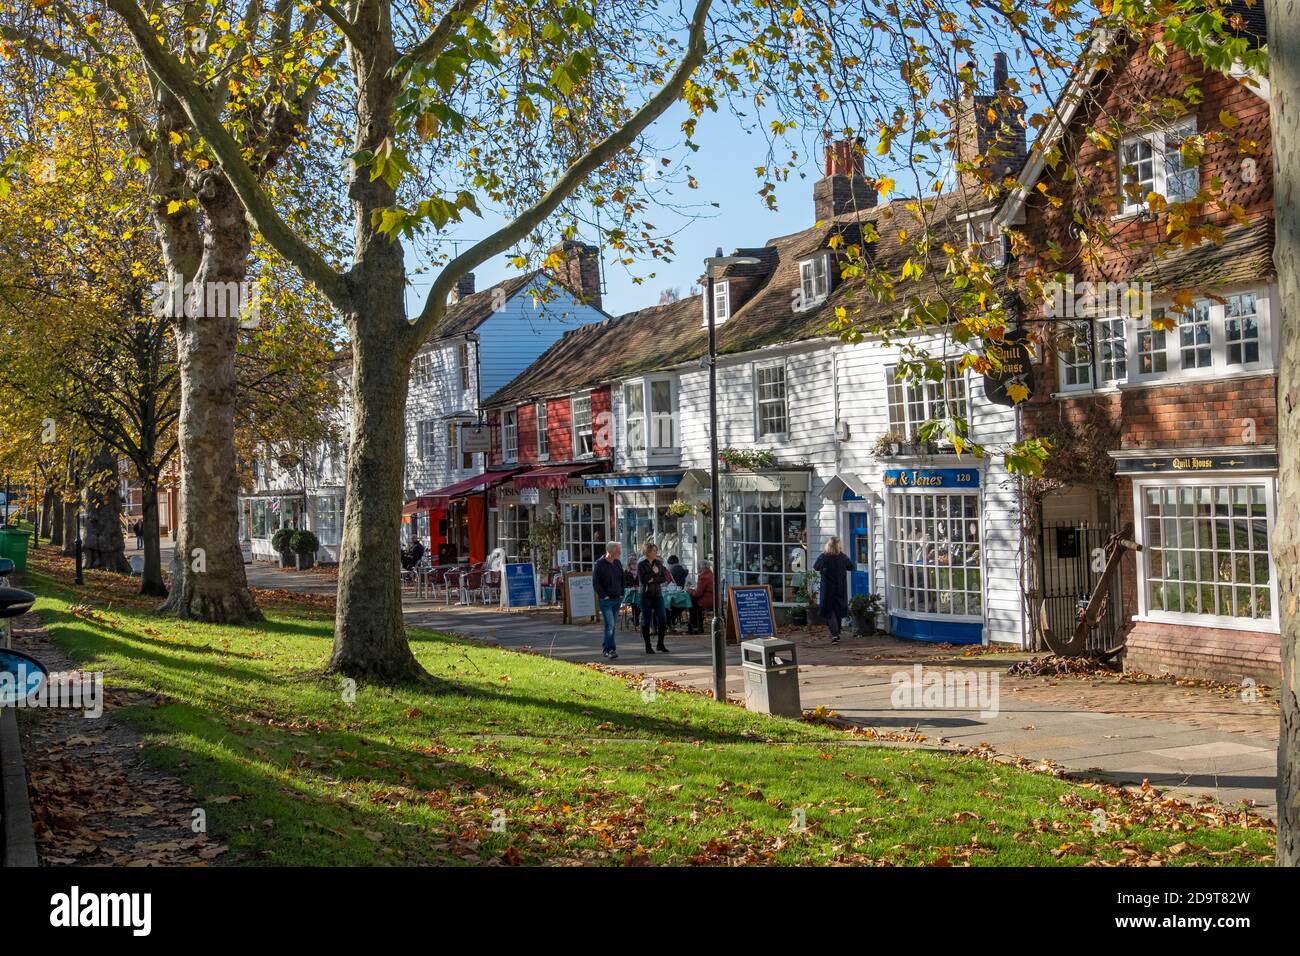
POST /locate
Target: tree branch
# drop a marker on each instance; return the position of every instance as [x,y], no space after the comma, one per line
[573,177]
[178,79]
[432,45]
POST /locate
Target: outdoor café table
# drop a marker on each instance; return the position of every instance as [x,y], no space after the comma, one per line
[672,599]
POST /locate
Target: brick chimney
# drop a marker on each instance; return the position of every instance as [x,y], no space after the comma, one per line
[843,188]
[981,133]
[464,287]
[580,269]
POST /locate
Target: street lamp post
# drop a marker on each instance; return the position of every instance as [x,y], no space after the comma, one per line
[718,261]
[79,578]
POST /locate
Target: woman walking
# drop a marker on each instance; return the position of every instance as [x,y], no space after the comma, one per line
[651,576]
[834,566]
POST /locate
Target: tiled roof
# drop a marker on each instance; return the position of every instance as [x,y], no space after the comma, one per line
[769,318]
[1246,253]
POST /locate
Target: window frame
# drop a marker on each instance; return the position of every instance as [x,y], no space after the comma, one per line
[898,386]
[812,270]
[1145,611]
[1158,141]
[510,434]
[462,365]
[590,430]
[1135,327]
[759,401]
[541,410]
[426,448]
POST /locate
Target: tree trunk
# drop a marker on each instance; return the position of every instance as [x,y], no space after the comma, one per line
[369,633]
[104,546]
[69,528]
[151,578]
[1284,65]
[56,518]
[207,579]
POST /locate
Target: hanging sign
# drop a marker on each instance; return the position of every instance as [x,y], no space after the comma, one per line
[1013,370]
[475,439]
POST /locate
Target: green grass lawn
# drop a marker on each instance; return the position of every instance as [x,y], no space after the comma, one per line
[574,762]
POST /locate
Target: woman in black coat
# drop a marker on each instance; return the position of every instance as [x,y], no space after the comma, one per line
[834,566]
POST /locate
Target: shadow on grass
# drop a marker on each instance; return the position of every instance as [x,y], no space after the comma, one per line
[85,635]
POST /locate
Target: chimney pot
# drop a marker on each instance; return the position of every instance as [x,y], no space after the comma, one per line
[843,189]
[580,270]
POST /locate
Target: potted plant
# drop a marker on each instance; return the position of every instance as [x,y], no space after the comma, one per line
[747,459]
[805,598]
[863,608]
[280,541]
[544,539]
[304,545]
[889,444]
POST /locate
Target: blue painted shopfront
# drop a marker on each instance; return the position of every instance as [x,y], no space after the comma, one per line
[934,546]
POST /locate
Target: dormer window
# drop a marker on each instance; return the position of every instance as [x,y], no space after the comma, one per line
[814,282]
[985,237]
[1152,162]
[721,303]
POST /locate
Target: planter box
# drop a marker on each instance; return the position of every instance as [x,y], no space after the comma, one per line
[306,561]
[287,560]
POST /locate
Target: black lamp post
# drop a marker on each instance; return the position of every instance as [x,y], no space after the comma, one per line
[79,579]
[717,261]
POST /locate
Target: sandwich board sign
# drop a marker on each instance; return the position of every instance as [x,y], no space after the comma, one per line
[580,594]
[752,614]
[520,588]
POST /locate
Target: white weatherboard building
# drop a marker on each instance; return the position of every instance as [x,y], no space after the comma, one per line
[485,340]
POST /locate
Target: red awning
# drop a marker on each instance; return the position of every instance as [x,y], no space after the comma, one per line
[556,476]
[441,499]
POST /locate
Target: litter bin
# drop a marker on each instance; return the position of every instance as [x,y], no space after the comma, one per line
[13,603]
[13,545]
[771,675]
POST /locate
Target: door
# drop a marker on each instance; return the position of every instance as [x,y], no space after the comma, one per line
[858,547]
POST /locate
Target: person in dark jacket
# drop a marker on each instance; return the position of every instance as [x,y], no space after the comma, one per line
[651,576]
[834,566]
[607,581]
[701,598]
[677,571]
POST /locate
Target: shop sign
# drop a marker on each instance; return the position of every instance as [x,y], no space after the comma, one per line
[1190,463]
[965,478]
[1011,378]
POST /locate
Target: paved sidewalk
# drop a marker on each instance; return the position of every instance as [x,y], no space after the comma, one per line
[1193,742]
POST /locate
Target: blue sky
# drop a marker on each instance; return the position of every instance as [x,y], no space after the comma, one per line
[724,167]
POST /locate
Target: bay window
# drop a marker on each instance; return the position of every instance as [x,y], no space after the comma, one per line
[329,519]
[934,544]
[1205,557]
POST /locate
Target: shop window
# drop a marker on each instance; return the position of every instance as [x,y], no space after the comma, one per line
[585,530]
[934,542]
[765,533]
[329,519]
[516,523]
[1205,556]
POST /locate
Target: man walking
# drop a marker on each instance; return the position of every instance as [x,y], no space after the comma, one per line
[607,582]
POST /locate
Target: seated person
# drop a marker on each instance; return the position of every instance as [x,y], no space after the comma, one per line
[701,598]
[677,571]
[412,555]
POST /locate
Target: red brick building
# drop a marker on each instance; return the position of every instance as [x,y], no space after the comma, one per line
[1158,374]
